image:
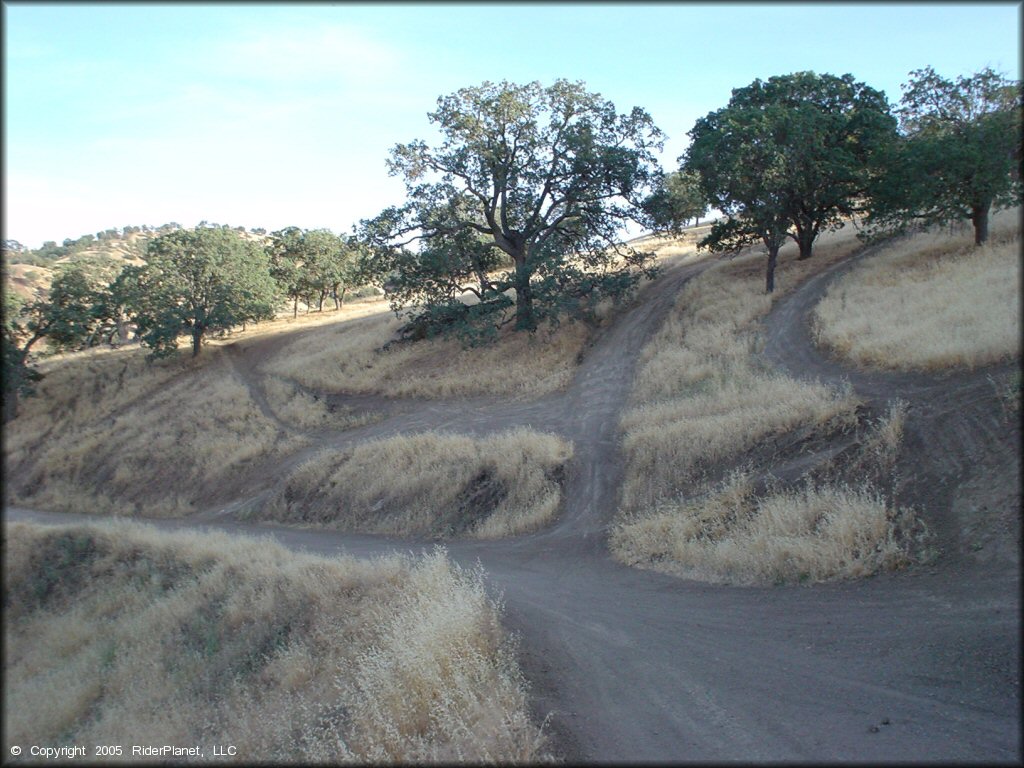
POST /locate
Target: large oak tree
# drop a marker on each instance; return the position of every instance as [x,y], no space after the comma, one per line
[536,180]
[958,154]
[788,157]
[199,282]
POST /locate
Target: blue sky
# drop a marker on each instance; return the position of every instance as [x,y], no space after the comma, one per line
[277,115]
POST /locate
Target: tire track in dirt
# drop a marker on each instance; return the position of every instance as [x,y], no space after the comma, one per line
[953,423]
[586,413]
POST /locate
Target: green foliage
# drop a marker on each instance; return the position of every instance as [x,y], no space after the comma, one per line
[676,200]
[72,297]
[536,180]
[202,281]
[313,264]
[957,156]
[790,157]
[24,323]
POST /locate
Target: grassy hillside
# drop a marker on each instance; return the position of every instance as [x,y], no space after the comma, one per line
[428,484]
[708,420]
[929,302]
[118,634]
[29,271]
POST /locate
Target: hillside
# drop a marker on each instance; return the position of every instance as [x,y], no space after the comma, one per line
[718,529]
[29,271]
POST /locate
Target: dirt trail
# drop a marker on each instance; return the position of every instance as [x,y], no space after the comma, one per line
[956,428]
[634,665]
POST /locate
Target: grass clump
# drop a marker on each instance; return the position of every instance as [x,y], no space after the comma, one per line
[430,484]
[817,533]
[929,302]
[116,633]
[293,405]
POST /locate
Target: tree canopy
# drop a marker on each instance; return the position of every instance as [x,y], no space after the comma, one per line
[788,157]
[676,200]
[539,180]
[313,264]
[958,153]
[200,281]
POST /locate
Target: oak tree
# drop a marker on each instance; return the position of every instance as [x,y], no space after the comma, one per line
[957,156]
[788,157]
[199,282]
[520,205]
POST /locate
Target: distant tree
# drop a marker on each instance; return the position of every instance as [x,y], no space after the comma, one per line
[958,154]
[115,304]
[793,152]
[314,264]
[199,282]
[24,326]
[63,316]
[286,265]
[13,246]
[72,321]
[676,200]
[541,178]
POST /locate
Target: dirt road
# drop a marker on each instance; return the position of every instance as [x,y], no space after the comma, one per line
[632,665]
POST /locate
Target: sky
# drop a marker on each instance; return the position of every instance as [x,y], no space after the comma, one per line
[275,115]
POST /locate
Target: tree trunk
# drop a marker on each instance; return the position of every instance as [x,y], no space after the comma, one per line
[197,340]
[323,295]
[979,218]
[525,320]
[341,297]
[10,403]
[805,240]
[773,256]
[295,307]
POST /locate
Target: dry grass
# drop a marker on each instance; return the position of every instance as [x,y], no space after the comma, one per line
[118,634]
[114,433]
[929,302]
[296,407]
[348,357]
[700,397]
[817,533]
[429,484]
[702,401]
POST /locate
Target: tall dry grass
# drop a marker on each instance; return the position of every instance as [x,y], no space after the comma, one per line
[829,529]
[703,401]
[301,409]
[729,535]
[118,634]
[110,431]
[701,396]
[429,484]
[930,301]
